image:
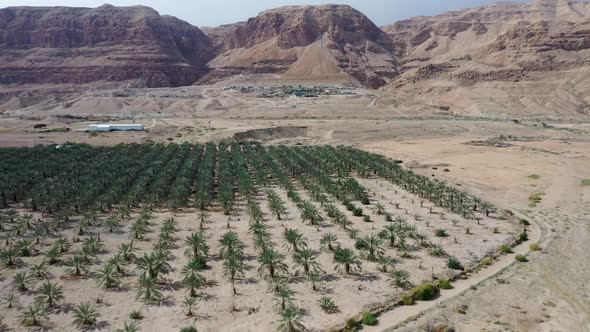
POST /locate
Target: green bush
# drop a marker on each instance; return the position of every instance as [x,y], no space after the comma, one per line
[441,233]
[524,222]
[523,237]
[506,249]
[369,319]
[454,264]
[366,201]
[188,329]
[408,300]
[535,247]
[425,292]
[521,258]
[487,261]
[351,325]
[357,212]
[444,284]
[136,315]
[367,219]
[388,217]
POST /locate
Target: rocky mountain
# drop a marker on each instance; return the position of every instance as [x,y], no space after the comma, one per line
[306,42]
[131,45]
[495,59]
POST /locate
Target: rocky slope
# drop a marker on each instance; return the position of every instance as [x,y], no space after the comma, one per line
[494,59]
[308,42]
[134,45]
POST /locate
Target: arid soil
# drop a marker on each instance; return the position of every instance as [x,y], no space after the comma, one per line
[546,294]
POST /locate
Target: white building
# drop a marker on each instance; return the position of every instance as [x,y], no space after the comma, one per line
[116,127]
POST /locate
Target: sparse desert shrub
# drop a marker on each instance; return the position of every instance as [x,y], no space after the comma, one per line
[444,283]
[441,233]
[408,300]
[506,249]
[523,237]
[535,247]
[357,212]
[369,319]
[454,264]
[524,222]
[351,325]
[367,219]
[487,261]
[388,217]
[521,258]
[425,292]
[136,315]
[188,329]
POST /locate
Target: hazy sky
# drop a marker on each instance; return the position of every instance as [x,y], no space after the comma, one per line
[217,12]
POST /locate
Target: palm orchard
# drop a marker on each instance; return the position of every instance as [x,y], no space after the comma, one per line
[289,214]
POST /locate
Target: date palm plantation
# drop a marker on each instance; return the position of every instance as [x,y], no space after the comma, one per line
[309,227]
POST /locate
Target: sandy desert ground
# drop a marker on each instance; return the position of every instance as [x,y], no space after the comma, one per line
[504,161]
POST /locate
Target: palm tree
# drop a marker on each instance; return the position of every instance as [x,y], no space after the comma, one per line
[78,265]
[379,208]
[400,278]
[118,262]
[284,295]
[147,289]
[372,245]
[197,245]
[39,270]
[129,327]
[295,239]
[49,295]
[276,205]
[310,212]
[27,220]
[190,303]
[126,250]
[291,320]
[391,233]
[9,256]
[271,263]
[422,239]
[108,277]
[314,279]
[329,241]
[233,267]
[307,260]
[34,315]
[52,255]
[25,247]
[230,245]
[202,215]
[192,278]
[346,260]
[62,244]
[11,300]
[153,264]
[385,262]
[85,314]
[23,281]
[138,230]
[112,223]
